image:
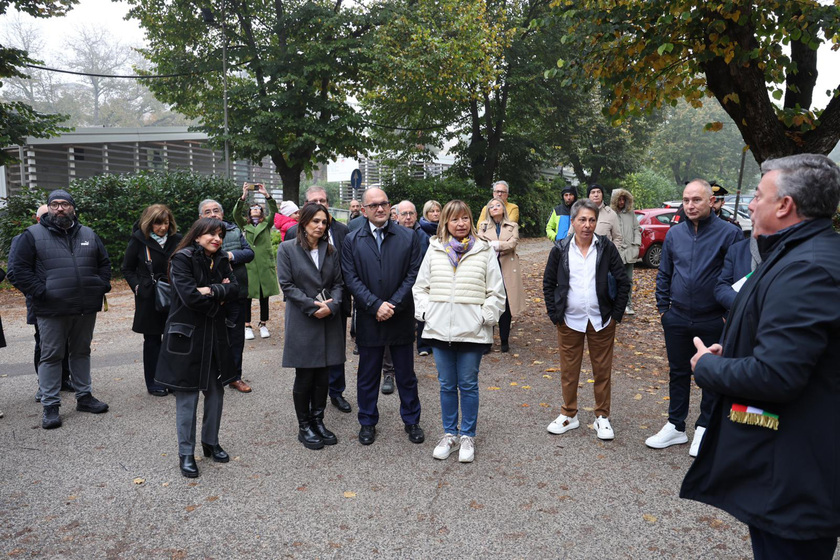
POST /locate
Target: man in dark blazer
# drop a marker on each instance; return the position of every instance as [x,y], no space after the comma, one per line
[338,231]
[769,456]
[380,261]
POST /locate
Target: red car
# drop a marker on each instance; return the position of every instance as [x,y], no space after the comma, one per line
[654,223]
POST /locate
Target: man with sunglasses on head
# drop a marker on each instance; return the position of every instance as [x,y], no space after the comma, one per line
[380,261]
[71,259]
[501,190]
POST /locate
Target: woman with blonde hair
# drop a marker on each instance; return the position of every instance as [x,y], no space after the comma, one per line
[460,295]
[503,236]
[431,215]
[145,262]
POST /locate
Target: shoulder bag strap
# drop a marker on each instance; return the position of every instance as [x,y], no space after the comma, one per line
[149,265]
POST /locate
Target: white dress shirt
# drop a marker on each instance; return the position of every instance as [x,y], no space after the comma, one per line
[582,300]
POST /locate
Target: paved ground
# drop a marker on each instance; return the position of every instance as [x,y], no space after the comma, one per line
[108,486]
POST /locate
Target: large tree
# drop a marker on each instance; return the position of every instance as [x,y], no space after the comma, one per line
[17,118]
[292,71]
[744,53]
[449,71]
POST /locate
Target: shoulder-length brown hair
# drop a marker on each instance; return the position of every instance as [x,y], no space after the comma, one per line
[307,214]
[157,214]
[453,209]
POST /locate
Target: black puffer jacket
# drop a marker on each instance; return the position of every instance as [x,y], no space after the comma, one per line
[66,272]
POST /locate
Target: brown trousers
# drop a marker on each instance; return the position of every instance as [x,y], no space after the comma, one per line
[601,345]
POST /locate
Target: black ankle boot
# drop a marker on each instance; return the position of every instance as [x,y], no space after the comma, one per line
[309,438]
[219,455]
[317,425]
[188,466]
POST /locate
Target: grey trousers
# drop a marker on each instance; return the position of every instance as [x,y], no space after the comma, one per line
[628,268]
[186,407]
[71,334]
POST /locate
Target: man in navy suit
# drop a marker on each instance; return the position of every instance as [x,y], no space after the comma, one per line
[380,261]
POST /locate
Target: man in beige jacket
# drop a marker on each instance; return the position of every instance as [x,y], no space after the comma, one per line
[608,225]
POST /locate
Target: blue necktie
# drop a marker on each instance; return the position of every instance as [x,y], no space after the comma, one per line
[379,239]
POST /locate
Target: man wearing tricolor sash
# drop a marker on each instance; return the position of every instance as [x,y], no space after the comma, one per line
[771,452]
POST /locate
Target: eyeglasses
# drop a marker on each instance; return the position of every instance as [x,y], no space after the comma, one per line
[63,205]
[374,205]
[499,192]
[408,213]
[212,211]
[317,201]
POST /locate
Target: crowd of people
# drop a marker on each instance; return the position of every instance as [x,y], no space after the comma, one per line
[755,321]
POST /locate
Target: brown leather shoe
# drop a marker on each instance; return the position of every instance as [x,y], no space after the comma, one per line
[240,386]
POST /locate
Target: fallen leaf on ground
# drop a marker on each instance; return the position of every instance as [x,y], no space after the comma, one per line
[513,383]
[525,387]
[590,381]
[493,388]
[545,405]
[638,397]
[349,494]
[139,480]
[649,518]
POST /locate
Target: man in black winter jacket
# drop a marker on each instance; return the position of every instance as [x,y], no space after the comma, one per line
[770,453]
[64,268]
[692,259]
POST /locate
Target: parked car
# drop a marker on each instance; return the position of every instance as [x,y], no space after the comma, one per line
[727,211]
[654,223]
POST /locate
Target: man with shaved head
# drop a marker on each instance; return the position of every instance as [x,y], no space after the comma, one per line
[380,261]
[692,260]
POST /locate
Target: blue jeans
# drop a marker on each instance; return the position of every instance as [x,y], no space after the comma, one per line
[458,373]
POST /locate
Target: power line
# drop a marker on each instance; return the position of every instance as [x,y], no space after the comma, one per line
[128,77]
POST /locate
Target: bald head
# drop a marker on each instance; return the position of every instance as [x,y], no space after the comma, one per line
[379,213]
[407,213]
[43,209]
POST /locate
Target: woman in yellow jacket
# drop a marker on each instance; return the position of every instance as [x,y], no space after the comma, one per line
[460,295]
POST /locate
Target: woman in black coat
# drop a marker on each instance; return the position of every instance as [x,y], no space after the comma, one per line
[195,355]
[309,272]
[153,241]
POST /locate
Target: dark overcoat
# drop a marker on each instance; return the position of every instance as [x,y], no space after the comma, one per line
[147,319]
[338,231]
[375,276]
[781,350]
[310,342]
[195,335]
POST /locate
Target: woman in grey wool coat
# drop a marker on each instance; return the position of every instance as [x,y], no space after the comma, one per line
[309,272]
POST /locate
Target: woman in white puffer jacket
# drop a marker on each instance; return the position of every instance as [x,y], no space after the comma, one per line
[460,295]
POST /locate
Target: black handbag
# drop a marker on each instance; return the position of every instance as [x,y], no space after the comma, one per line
[163,289]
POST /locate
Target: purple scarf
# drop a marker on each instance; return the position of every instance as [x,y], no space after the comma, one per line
[456,249]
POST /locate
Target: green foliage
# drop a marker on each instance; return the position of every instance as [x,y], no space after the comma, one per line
[112,204]
[18,214]
[292,71]
[535,200]
[650,53]
[650,188]
[276,240]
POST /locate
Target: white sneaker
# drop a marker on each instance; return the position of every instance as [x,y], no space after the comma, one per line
[666,437]
[563,424]
[467,453]
[602,426]
[249,333]
[696,440]
[447,445]
[629,311]
[264,332]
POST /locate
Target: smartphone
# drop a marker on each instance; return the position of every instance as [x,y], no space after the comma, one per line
[254,186]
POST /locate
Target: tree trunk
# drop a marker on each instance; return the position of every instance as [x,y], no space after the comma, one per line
[289,175]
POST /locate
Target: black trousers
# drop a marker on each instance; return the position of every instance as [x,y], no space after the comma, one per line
[767,546]
[263,309]
[151,351]
[679,343]
[504,323]
[236,333]
[314,383]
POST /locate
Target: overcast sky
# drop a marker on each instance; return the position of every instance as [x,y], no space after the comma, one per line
[110,15]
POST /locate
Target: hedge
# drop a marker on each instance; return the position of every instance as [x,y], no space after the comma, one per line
[112,204]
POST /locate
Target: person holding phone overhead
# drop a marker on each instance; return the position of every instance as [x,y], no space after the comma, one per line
[309,272]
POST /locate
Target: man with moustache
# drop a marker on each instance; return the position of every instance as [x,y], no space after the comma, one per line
[71,259]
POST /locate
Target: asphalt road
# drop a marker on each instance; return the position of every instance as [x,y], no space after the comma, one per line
[108,486]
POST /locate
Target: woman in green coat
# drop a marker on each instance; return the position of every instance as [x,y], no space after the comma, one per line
[262,271]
